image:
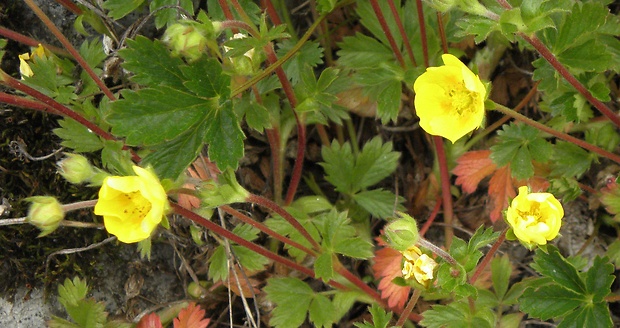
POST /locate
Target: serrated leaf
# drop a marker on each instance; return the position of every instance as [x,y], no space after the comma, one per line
[500,275]
[378,202]
[154,115]
[292,297]
[454,315]
[549,301]
[380,319]
[578,26]
[170,15]
[388,101]
[555,266]
[388,266]
[361,51]
[279,225]
[150,320]
[591,315]
[170,159]
[324,266]
[472,167]
[310,54]
[599,279]
[517,145]
[478,26]
[225,138]
[321,311]
[152,63]
[205,79]
[570,160]
[77,137]
[481,238]
[118,9]
[191,317]
[590,56]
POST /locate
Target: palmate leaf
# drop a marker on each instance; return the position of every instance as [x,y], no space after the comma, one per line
[182,107]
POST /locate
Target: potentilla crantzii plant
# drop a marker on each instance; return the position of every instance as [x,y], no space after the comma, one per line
[303,161]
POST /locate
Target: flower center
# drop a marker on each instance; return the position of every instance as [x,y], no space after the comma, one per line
[531,217]
[462,99]
[137,206]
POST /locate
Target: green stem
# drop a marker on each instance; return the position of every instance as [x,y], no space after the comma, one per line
[65,42]
[599,151]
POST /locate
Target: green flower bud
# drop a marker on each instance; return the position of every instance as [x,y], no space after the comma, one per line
[442,5]
[187,39]
[76,168]
[402,233]
[45,213]
[225,191]
[197,291]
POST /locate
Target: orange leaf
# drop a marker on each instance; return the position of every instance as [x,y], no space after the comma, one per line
[150,320]
[387,266]
[501,190]
[191,317]
[472,167]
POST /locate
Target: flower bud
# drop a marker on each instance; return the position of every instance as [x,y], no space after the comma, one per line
[197,291]
[402,233]
[187,39]
[76,168]
[45,213]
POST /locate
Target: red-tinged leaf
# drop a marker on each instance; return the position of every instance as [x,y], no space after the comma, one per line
[472,167]
[387,266]
[501,190]
[191,317]
[150,320]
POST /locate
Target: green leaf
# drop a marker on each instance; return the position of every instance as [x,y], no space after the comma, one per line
[279,225]
[205,79]
[388,101]
[570,160]
[380,319]
[478,26]
[310,54]
[591,315]
[72,292]
[500,275]
[225,138]
[321,311]
[456,315]
[517,145]
[549,301]
[599,279]
[247,259]
[379,203]
[362,51]
[85,313]
[325,6]
[578,26]
[292,297]
[118,9]
[77,137]
[171,15]
[154,115]
[591,56]
[256,115]
[555,266]
[152,63]
[536,14]
[341,237]
[350,173]
[171,158]
[324,266]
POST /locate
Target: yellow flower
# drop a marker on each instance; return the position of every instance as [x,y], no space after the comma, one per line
[449,99]
[419,266]
[535,218]
[24,68]
[132,206]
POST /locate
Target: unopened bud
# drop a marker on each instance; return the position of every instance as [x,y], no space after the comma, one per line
[76,168]
[187,39]
[45,213]
[402,233]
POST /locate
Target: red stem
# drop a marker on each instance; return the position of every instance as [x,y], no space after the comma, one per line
[273,135]
[442,33]
[267,203]
[488,257]
[70,6]
[266,230]
[445,189]
[431,217]
[600,151]
[58,107]
[231,236]
[388,33]
[420,11]
[271,11]
[65,42]
[407,311]
[26,103]
[401,30]
[5,32]
[548,55]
